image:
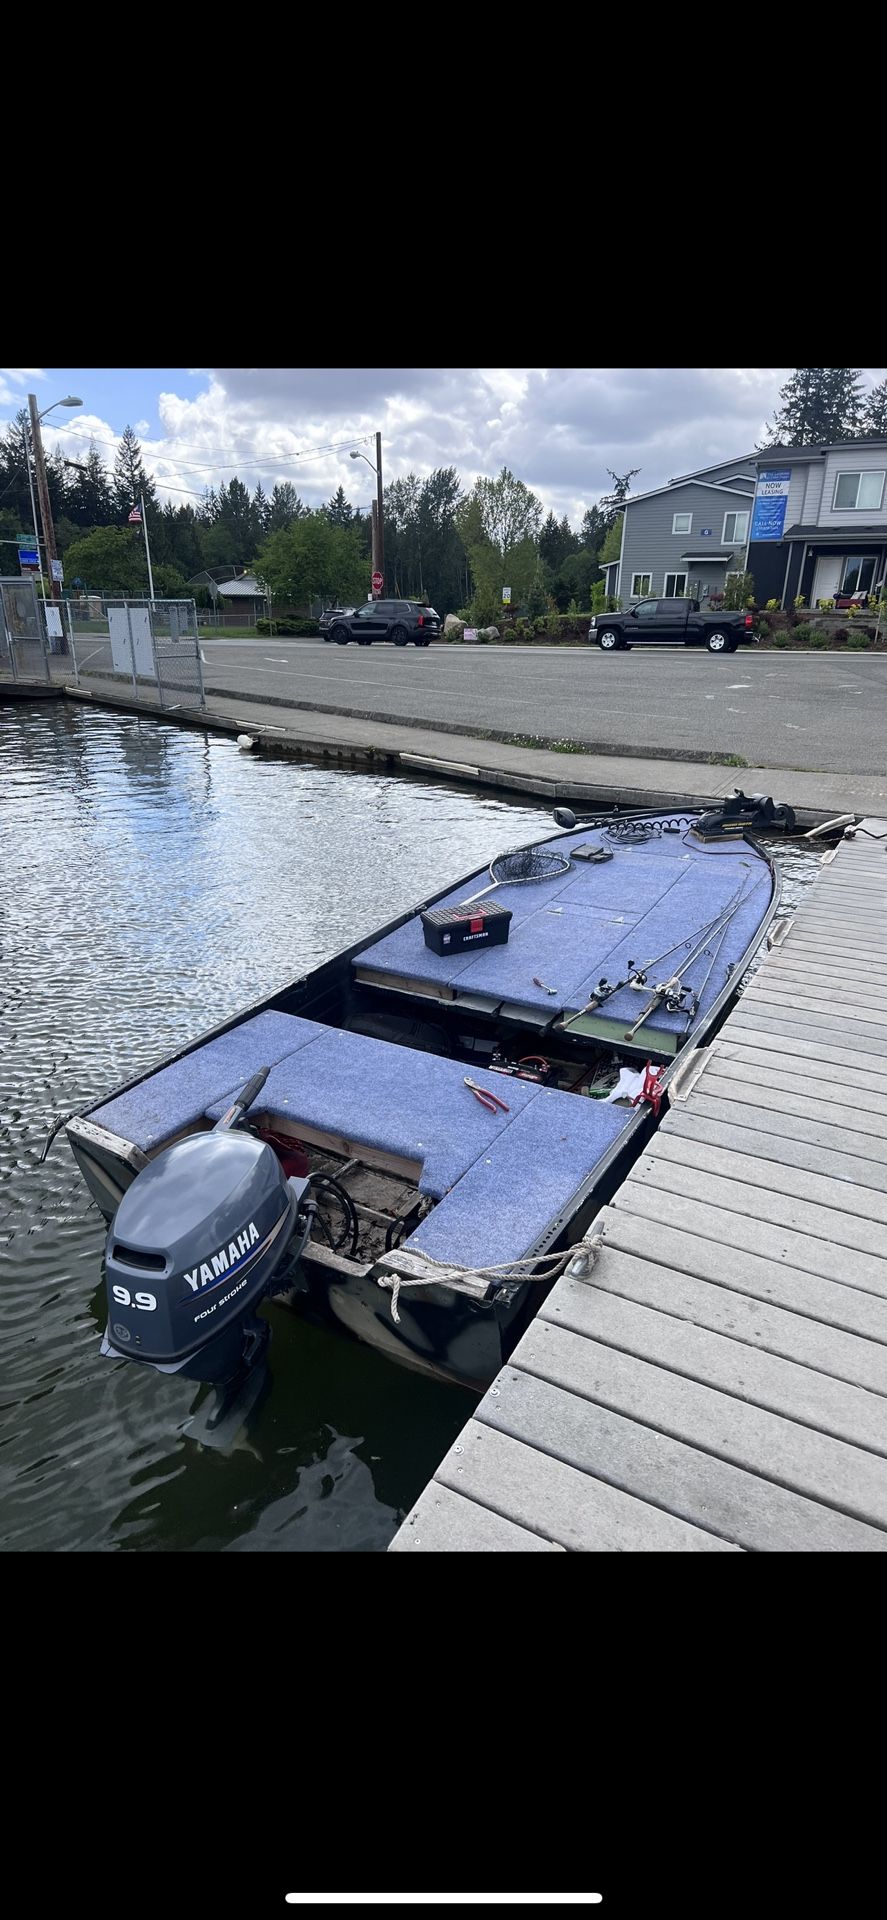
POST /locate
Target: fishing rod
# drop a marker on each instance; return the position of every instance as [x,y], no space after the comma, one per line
[672,991]
[637,975]
[696,994]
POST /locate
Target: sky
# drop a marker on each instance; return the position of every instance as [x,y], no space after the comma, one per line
[558,428]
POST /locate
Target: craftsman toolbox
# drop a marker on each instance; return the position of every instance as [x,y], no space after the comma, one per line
[452,929]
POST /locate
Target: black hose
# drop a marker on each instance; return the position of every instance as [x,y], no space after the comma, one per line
[347,1205]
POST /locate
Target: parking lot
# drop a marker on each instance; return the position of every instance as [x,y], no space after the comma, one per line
[821,712]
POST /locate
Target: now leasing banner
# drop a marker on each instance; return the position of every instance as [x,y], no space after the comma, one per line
[771,500]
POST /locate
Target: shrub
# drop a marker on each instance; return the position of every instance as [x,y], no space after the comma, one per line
[801,600]
[780,640]
[858,639]
[772,606]
[803,634]
[841,635]
[826,606]
[738,592]
[819,638]
[298,629]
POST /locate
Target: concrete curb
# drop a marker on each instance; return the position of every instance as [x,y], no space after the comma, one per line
[591,793]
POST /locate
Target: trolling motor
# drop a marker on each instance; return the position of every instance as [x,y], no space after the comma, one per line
[204,1233]
[740,811]
[731,816]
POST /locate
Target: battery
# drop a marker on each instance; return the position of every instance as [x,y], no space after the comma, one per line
[452,929]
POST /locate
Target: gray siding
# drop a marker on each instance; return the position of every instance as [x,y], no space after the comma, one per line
[716,476]
[651,547]
[853,460]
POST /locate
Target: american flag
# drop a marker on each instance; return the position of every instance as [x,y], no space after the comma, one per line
[135,515]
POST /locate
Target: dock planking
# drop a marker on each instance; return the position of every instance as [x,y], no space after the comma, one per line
[718,1381]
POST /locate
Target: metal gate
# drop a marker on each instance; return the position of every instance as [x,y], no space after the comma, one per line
[145,641]
[23,648]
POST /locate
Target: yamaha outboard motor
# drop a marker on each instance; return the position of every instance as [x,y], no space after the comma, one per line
[204,1233]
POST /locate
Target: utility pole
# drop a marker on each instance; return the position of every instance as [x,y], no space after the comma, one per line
[380,528]
[43,495]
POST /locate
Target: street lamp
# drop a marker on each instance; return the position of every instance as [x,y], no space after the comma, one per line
[71,400]
[378,530]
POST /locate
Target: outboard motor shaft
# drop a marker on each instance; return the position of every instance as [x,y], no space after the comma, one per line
[199,1239]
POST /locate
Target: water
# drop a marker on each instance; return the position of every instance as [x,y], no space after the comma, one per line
[156,880]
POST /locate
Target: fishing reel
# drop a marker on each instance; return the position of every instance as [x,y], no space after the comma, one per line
[679,999]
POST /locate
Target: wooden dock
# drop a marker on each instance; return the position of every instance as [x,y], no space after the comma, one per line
[718,1382]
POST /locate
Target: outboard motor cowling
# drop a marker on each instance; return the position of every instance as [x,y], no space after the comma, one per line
[195,1245]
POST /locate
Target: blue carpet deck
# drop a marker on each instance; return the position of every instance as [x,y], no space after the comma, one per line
[592,921]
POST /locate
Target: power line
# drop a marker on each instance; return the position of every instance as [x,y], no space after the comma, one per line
[308,453]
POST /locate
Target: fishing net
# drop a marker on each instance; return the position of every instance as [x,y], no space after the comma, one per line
[527,863]
[521,864]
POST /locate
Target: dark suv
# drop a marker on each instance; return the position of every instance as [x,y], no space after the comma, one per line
[397,620]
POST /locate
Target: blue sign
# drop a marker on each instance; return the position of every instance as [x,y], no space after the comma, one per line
[771,500]
[28,557]
[705,532]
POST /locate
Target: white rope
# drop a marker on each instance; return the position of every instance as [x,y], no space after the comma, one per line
[582,1255]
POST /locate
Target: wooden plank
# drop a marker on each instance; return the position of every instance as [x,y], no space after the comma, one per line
[867,1271]
[728,1187]
[795,1456]
[766,1379]
[769,1281]
[850,1025]
[850,1169]
[744,1167]
[763,1021]
[867,1107]
[812,1072]
[727,1084]
[790,1126]
[787,966]
[738,1034]
[444,1522]
[866,990]
[857,1008]
[726,1312]
[582,1513]
[759,1515]
[810,1027]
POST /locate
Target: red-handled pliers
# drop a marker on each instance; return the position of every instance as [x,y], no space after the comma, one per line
[487,1098]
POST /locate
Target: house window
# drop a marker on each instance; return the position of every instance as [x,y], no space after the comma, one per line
[640,584]
[859,573]
[682,523]
[735,529]
[675,586]
[857,491]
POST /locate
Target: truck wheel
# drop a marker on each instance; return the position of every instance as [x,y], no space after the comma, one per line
[608,638]
[717,641]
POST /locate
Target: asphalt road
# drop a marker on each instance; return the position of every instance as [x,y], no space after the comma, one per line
[819,712]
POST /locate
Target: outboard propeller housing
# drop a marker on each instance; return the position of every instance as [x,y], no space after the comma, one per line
[198,1240]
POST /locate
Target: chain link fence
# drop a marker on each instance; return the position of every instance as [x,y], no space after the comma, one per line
[149,643]
[24,644]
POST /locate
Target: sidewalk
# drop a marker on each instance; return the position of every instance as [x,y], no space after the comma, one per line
[593,780]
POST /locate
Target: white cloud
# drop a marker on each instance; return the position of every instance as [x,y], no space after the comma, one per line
[558,428]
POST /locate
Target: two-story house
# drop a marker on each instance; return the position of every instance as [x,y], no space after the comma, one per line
[686,537]
[819,521]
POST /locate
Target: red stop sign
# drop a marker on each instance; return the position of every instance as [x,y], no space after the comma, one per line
[377,582]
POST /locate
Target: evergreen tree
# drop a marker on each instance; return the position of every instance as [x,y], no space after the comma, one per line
[556,542]
[285,506]
[818,404]
[261,513]
[130,478]
[339,511]
[873,419]
[593,529]
[89,494]
[610,503]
